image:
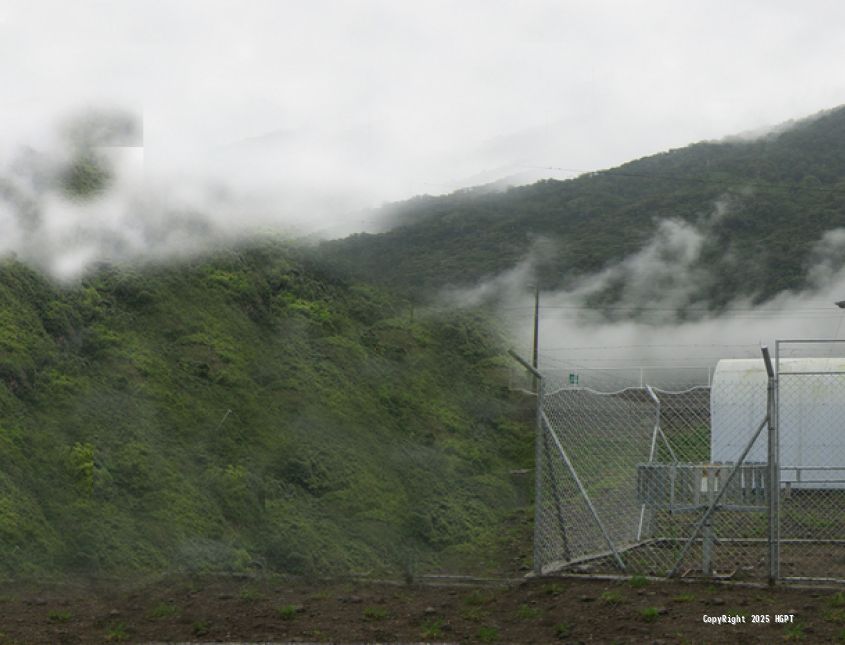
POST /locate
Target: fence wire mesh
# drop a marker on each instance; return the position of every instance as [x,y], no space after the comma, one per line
[678,481]
[627,475]
[811,418]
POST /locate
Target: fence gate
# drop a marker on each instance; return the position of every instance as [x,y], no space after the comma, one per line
[652,481]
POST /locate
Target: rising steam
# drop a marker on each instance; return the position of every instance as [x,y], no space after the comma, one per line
[658,316]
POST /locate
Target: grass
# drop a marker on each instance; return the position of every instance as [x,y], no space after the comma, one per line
[474,614]
[289,612]
[201,627]
[487,634]
[683,597]
[117,633]
[250,594]
[163,610]
[836,608]
[58,616]
[553,589]
[611,597]
[794,632]
[478,597]
[525,612]
[649,614]
[638,582]
[432,628]
[563,630]
[375,613]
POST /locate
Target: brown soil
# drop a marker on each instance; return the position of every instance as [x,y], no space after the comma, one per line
[548,610]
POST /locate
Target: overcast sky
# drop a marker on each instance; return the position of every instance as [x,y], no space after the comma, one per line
[353,103]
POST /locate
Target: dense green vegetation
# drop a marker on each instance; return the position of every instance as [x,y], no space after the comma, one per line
[247,410]
[778,193]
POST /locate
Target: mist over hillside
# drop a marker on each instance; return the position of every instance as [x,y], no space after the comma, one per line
[754,209]
[670,261]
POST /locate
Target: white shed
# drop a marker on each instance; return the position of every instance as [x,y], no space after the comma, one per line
[812,417]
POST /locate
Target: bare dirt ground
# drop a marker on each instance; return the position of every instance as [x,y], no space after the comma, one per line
[548,610]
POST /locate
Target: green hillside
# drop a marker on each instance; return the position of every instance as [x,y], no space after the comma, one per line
[780,193]
[247,410]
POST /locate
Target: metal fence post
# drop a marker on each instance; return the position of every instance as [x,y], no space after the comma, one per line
[774,471]
[538,458]
[538,476]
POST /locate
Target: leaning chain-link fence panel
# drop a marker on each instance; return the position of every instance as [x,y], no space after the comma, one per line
[811,418]
[597,440]
[627,476]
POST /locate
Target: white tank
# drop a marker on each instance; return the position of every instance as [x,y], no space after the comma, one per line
[812,417]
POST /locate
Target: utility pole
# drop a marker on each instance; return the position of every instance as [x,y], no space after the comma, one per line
[534,355]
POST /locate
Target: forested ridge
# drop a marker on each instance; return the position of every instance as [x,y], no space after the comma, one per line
[762,202]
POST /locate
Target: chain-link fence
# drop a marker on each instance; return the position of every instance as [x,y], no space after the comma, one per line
[811,428]
[655,481]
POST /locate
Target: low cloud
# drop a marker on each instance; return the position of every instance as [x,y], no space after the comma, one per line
[657,318]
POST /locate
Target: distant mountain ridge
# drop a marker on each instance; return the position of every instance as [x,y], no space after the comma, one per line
[776,195]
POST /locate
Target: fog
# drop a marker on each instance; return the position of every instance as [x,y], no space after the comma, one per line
[658,330]
[299,116]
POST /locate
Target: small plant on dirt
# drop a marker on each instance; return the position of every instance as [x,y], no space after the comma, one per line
[526,612]
[563,630]
[649,614]
[432,628]
[162,610]
[477,597]
[288,612]
[841,636]
[553,589]
[473,614]
[835,615]
[683,597]
[794,632]
[487,634]
[638,582]
[201,627]
[117,633]
[59,616]
[611,597]
[375,613]
[249,593]
[837,599]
